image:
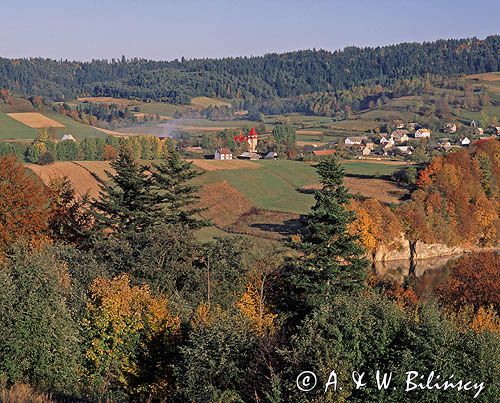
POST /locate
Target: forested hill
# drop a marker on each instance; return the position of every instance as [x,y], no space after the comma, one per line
[273,75]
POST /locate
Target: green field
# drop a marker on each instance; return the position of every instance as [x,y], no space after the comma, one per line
[12,129]
[274,185]
[78,130]
[162,108]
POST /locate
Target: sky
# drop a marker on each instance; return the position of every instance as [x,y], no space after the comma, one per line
[170,29]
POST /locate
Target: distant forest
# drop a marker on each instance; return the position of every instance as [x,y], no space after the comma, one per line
[268,77]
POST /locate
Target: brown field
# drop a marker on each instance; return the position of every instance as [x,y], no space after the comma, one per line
[310,132]
[110,100]
[81,179]
[217,165]
[486,76]
[223,202]
[97,168]
[205,102]
[382,190]
[115,133]
[34,120]
[309,143]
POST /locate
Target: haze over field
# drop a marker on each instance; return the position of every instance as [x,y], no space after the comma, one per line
[167,30]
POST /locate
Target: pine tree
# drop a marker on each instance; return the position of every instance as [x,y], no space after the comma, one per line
[175,196]
[332,259]
[126,203]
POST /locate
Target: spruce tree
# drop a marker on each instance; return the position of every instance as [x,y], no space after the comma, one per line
[175,196]
[332,260]
[126,202]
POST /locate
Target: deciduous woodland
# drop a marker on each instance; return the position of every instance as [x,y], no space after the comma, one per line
[115,299]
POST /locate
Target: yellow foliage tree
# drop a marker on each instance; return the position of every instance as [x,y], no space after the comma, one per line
[252,305]
[122,322]
[486,319]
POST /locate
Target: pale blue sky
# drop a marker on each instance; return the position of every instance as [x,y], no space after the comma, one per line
[169,29]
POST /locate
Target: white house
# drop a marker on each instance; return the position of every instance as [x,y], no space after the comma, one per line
[223,154]
[422,133]
[67,137]
[465,142]
[384,140]
[350,141]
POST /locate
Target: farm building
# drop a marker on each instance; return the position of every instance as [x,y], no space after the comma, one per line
[494,130]
[366,150]
[450,128]
[400,136]
[349,141]
[478,131]
[223,154]
[422,133]
[385,140]
[271,155]
[249,156]
[464,142]
[67,137]
[321,153]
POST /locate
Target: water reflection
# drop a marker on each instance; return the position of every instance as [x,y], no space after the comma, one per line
[424,276]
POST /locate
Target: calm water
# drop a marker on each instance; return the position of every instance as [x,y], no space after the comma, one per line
[423,277]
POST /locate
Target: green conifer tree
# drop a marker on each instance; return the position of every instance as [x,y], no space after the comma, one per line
[126,202]
[332,259]
[175,196]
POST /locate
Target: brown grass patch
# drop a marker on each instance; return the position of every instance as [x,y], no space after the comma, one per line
[97,168]
[217,165]
[275,225]
[34,120]
[23,393]
[81,178]
[223,202]
[380,189]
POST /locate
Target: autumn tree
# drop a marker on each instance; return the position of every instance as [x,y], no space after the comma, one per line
[70,217]
[24,204]
[474,280]
[129,332]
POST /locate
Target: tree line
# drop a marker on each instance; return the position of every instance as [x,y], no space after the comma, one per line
[271,76]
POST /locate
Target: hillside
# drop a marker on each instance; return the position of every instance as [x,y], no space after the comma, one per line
[273,75]
[261,198]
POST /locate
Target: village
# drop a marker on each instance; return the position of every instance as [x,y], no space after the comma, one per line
[401,143]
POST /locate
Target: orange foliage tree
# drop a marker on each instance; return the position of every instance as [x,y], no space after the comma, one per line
[474,280]
[24,204]
[458,199]
[375,224]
